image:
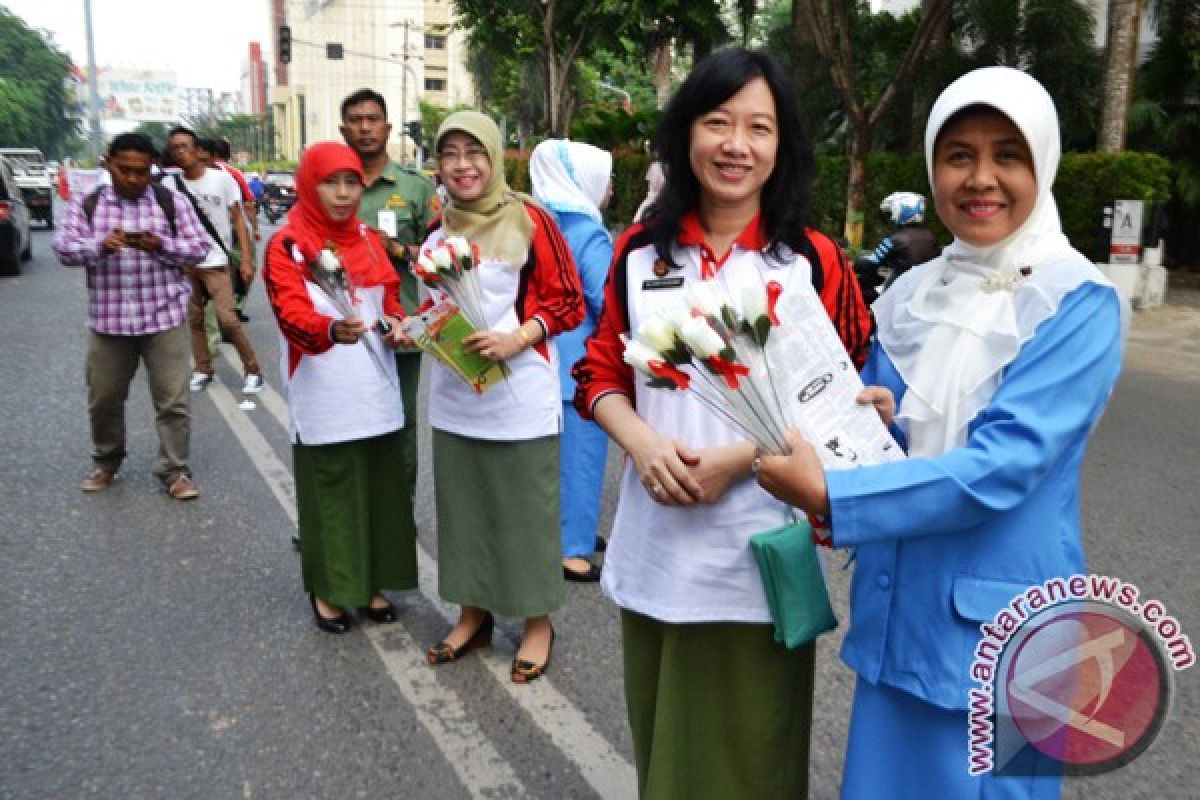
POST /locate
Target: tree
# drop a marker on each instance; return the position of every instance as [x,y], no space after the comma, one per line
[32,97]
[1123,19]
[830,25]
[555,34]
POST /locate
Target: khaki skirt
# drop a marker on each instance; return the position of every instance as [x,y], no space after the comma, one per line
[498,524]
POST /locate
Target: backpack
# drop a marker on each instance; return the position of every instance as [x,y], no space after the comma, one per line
[162,195]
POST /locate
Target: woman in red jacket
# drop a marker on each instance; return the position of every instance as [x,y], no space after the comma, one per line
[716,707]
[344,402]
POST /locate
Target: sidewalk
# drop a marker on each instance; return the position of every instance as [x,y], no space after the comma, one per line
[1167,339]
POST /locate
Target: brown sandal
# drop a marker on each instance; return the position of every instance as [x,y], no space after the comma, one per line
[527,671]
[444,652]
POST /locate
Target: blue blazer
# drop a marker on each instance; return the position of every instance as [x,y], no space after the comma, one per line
[943,543]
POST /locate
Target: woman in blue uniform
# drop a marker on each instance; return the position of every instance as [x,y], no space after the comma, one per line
[1001,354]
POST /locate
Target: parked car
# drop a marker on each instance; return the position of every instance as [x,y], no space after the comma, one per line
[279,194]
[15,240]
[29,168]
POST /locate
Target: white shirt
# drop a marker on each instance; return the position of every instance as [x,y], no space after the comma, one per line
[691,564]
[216,192]
[527,405]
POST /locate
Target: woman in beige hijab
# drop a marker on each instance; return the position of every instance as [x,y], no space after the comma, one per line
[496,453]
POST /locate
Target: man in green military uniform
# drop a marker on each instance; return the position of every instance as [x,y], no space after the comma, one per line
[399,203]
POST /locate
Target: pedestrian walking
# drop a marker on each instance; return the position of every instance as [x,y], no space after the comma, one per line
[345,413]
[1001,353]
[574,181]
[398,204]
[718,709]
[495,454]
[216,199]
[135,239]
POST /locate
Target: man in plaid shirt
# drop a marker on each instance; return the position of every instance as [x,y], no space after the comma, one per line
[134,256]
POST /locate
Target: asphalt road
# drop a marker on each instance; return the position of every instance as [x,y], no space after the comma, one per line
[154,649]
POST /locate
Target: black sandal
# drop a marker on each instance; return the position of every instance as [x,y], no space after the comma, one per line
[527,671]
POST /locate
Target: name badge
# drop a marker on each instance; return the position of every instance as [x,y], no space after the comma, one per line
[387,222]
[662,283]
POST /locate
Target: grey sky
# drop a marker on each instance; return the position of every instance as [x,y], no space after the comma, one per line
[204,51]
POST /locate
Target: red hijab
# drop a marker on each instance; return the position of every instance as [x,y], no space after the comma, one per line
[312,229]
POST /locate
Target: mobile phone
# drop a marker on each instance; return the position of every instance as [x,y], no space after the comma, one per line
[135,238]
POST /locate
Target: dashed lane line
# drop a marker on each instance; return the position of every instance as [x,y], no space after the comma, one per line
[484,773]
[608,773]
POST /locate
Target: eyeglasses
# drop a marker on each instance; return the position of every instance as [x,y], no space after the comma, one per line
[472,155]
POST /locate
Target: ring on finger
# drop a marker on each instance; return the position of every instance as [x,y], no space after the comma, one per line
[657,490]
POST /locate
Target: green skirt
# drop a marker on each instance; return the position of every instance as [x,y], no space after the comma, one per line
[497,522]
[717,710]
[356,531]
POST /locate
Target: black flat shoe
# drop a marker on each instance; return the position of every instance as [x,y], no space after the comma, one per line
[591,575]
[338,624]
[601,544]
[383,616]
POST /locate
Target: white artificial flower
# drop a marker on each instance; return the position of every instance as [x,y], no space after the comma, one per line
[701,339]
[426,265]
[442,259]
[658,332]
[458,244]
[328,260]
[707,297]
[638,355]
[754,302]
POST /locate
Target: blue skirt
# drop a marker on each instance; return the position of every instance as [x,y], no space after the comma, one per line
[584,450]
[903,748]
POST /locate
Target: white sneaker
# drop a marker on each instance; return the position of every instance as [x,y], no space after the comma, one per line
[199,381]
[253,384]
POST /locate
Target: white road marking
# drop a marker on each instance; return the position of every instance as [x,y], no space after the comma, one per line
[609,774]
[479,766]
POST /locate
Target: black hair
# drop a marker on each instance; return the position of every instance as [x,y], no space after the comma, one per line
[223,151]
[132,142]
[207,145]
[178,129]
[786,201]
[364,96]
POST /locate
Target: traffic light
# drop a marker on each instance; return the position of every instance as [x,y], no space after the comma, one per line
[413,129]
[285,44]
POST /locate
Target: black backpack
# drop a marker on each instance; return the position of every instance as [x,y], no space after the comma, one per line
[162,195]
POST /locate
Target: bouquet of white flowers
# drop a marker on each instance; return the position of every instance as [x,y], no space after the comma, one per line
[725,349]
[452,267]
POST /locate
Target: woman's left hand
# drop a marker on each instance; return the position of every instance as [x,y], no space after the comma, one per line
[797,479]
[720,468]
[397,337]
[495,346]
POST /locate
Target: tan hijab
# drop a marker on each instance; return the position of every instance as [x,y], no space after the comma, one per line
[497,222]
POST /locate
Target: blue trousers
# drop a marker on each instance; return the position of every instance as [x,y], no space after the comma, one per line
[584,448]
[903,748]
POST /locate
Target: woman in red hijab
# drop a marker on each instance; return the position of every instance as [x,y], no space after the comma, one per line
[330,284]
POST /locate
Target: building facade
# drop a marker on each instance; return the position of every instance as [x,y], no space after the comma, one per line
[404,49]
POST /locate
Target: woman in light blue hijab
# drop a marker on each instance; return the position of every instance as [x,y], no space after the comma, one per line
[573,180]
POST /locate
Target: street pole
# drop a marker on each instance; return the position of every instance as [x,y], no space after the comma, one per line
[404,91]
[97,137]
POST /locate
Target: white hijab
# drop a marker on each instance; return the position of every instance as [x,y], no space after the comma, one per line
[570,176]
[952,325]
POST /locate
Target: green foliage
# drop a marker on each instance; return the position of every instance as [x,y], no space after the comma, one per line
[1089,181]
[613,128]
[32,97]
[1086,183]
[431,119]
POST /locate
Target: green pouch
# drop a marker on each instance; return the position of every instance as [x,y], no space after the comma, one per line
[794,583]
